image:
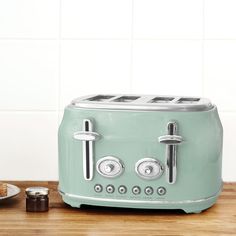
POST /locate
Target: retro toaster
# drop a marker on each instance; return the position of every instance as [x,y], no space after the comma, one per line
[138,151]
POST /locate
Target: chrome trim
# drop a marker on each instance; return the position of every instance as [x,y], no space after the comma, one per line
[122,189]
[88,155]
[86,136]
[136,190]
[110,188]
[171,140]
[137,164]
[142,103]
[148,202]
[98,188]
[112,158]
[148,190]
[161,191]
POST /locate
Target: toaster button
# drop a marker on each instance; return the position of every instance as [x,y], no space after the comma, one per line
[148,190]
[136,190]
[98,188]
[161,191]
[122,189]
[110,188]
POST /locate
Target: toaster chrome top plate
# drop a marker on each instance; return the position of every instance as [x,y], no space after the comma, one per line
[143,102]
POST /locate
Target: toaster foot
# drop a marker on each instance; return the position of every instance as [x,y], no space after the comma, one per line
[198,207]
[188,211]
[196,212]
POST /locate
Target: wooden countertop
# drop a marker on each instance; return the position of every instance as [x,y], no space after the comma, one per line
[64,220]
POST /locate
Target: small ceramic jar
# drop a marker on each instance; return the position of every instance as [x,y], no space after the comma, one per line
[37,199]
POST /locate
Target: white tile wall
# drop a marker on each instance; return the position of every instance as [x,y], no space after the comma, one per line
[96,18]
[94,66]
[28,145]
[29,18]
[220,73]
[29,74]
[54,50]
[228,119]
[168,19]
[167,66]
[220,19]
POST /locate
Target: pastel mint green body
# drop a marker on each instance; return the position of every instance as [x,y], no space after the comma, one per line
[131,135]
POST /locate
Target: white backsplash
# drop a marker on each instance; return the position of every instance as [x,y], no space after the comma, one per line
[54,50]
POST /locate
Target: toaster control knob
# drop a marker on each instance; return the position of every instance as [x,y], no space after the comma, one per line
[136,190]
[161,191]
[149,168]
[122,189]
[98,188]
[110,167]
[110,188]
[148,190]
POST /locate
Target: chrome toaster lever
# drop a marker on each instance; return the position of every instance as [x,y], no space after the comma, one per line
[87,136]
[171,140]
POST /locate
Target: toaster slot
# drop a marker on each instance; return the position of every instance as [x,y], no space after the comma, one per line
[143,102]
[188,100]
[126,99]
[162,99]
[100,98]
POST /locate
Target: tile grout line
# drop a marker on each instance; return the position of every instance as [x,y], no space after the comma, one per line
[203,48]
[121,39]
[28,110]
[59,69]
[95,39]
[149,39]
[59,63]
[26,39]
[131,48]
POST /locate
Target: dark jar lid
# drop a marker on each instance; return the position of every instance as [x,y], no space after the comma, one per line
[37,191]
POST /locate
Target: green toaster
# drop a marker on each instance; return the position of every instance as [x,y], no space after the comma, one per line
[141,151]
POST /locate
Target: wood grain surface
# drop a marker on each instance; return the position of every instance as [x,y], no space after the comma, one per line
[64,220]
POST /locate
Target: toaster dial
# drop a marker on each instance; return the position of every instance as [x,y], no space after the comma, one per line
[149,168]
[109,167]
